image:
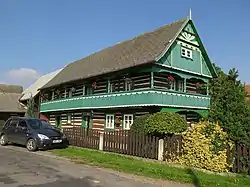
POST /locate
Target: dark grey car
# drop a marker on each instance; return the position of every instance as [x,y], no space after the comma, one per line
[34,133]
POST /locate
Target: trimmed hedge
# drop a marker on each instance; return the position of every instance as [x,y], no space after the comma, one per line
[139,124]
[165,123]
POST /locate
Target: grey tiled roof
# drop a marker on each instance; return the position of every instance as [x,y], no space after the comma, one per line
[6,88]
[9,102]
[140,50]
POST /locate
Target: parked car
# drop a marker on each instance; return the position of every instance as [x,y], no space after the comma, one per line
[34,133]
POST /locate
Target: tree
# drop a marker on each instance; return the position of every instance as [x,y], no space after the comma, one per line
[30,108]
[228,105]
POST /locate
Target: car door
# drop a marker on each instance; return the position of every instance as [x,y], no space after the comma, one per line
[10,130]
[21,132]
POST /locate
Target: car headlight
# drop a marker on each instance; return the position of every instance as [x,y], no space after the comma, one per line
[43,137]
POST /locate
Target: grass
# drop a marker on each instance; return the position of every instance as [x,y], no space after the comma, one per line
[151,169]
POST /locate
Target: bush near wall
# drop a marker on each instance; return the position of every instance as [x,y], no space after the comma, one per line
[165,123]
[205,146]
[139,124]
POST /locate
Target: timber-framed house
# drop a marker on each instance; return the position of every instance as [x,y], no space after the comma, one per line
[167,69]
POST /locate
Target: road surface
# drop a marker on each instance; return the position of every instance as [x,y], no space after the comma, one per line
[19,168]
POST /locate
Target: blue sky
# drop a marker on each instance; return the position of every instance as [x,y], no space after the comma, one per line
[37,37]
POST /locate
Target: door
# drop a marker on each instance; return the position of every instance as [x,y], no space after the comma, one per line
[86,122]
[21,132]
[10,130]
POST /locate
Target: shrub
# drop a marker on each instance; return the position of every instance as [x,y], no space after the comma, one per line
[165,123]
[205,146]
[139,124]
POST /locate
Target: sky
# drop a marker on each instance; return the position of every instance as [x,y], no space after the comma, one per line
[37,37]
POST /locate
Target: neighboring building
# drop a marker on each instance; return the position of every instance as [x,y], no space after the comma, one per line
[33,92]
[247,87]
[9,105]
[164,70]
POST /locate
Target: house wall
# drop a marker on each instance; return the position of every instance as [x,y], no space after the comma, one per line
[97,121]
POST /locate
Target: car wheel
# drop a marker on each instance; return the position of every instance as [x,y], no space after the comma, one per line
[3,140]
[31,145]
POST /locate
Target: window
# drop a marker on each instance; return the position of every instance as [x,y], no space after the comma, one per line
[88,90]
[186,53]
[53,95]
[180,85]
[127,84]
[22,123]
[13,123]
[69,118]
[110,121]
[172,84]
[39,124]
[127,121]
[70,93]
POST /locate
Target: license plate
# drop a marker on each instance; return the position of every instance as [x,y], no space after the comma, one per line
[57,141]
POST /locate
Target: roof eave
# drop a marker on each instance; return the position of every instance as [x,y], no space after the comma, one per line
[56,85]
[172,40]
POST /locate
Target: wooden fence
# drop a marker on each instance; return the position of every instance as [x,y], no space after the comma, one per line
[241,159]
[129,143]
[83,138]
[124,142]
[172,147]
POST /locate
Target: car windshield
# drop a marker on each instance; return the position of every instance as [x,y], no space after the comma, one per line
[39,124]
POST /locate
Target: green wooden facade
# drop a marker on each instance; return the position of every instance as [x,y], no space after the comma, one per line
[186,61]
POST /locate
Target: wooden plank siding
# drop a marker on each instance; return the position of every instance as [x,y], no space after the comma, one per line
[140,80]
[98,117]
[117,84]
[161,81]
[98,120]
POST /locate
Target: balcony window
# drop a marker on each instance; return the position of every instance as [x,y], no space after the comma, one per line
[180,85]
[88,90]
[172,84]
[127,84]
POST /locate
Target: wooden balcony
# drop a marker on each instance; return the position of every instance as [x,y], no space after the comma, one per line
[149,97]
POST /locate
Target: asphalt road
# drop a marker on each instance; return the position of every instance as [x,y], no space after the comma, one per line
[19,168]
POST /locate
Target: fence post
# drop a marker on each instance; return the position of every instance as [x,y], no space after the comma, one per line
[101,141]
[161,149]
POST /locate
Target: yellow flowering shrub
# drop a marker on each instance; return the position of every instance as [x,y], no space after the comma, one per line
[205,146]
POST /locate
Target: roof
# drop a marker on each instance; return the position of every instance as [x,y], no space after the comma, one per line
[140,50]
[9,102]
[32,90]
[5,88]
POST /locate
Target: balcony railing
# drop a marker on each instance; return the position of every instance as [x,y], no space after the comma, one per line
[151,97]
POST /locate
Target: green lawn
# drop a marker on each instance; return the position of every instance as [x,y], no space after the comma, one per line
[151,169]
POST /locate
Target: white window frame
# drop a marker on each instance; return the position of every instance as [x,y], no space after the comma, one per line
[70,93]
[181,85]
[173,85]
[69,116]
[130,122]
[110,121]
[128,84]
[185,51]
[53,95]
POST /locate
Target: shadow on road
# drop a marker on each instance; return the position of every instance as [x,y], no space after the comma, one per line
[195,179]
